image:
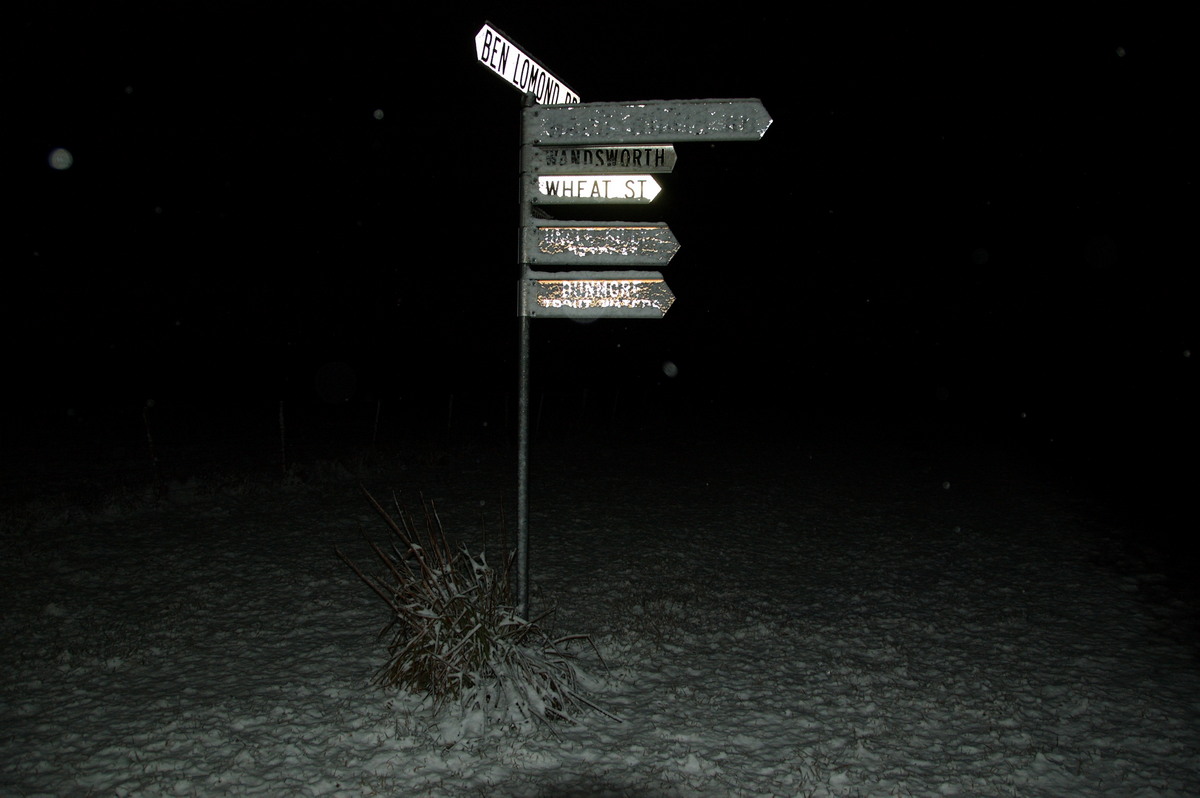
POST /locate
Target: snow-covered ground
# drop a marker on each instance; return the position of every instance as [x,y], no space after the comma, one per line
[817,621]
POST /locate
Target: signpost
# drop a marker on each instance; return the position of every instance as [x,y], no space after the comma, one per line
[590,154]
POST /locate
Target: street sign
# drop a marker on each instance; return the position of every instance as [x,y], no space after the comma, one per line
[562,189]
[651,122]
[594,295]
[594,152]
[561,243]
[589,160]
[500,54]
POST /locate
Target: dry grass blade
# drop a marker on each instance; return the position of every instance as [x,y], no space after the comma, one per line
[454,633]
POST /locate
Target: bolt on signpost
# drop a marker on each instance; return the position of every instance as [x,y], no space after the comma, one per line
[593,154]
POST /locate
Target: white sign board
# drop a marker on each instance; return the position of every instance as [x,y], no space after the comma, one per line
[561,189]
[498,53]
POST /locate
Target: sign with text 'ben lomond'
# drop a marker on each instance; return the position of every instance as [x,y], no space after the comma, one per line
[500,54]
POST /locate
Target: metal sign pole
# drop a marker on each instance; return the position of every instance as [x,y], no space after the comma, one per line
[523,376]
[523,474]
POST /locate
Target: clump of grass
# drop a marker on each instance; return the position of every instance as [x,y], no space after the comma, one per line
[454,633]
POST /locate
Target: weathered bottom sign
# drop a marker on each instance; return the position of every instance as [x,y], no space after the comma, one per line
[592,295]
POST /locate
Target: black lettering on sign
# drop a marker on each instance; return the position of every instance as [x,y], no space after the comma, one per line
[593,159]
[495,52]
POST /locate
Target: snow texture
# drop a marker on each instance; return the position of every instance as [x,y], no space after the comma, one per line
[807,624]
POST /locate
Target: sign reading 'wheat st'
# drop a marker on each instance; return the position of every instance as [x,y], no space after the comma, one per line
[562,189]
[500,54]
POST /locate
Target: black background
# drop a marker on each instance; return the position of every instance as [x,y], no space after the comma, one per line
[973,225]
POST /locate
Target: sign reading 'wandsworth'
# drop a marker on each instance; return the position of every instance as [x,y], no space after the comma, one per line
[586,160]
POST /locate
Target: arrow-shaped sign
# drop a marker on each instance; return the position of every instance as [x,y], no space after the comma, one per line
[653,122]
[588,160]
[592,295]
[561,243]
[500,54]
[562,189]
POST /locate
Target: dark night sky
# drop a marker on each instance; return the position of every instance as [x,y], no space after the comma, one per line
[982,218]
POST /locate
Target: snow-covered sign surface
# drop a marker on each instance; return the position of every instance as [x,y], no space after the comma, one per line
[551,242]
[647,122]
[591,295]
